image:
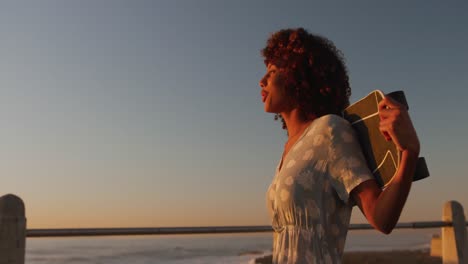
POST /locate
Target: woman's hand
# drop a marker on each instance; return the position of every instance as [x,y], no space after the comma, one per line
[396,125]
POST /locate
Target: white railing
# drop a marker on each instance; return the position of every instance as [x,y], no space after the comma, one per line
[452,246]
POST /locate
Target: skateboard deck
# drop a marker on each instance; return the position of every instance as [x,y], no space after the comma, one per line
[383,157]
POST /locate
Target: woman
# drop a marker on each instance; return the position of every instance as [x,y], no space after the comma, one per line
[322,173]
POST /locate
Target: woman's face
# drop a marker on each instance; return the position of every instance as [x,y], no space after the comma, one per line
[273,93]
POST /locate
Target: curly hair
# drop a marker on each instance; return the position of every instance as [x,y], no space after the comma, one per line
[315,73]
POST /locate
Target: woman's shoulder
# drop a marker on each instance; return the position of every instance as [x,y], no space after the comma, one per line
[331,121]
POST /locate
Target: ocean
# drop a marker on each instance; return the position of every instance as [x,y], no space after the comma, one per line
[197,249]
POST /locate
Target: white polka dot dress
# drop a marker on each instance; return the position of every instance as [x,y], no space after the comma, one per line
[308,199]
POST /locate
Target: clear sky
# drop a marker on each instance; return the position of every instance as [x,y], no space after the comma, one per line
[148,113]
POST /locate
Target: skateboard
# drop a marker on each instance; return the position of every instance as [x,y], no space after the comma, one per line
[383,157]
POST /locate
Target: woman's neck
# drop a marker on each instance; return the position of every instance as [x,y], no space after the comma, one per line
[295,122]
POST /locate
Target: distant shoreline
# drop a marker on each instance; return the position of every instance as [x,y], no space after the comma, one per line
[380,257]
[394,256]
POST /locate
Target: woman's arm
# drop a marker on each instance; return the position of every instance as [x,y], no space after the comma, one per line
[383,208]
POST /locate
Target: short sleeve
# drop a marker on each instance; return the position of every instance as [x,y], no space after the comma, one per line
[346,164]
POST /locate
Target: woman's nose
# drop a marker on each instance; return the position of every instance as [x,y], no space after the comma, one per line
[262,82]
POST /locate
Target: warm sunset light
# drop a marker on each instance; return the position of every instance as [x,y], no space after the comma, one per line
[150,113]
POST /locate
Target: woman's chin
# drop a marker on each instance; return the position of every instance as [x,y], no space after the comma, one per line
[268,110]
